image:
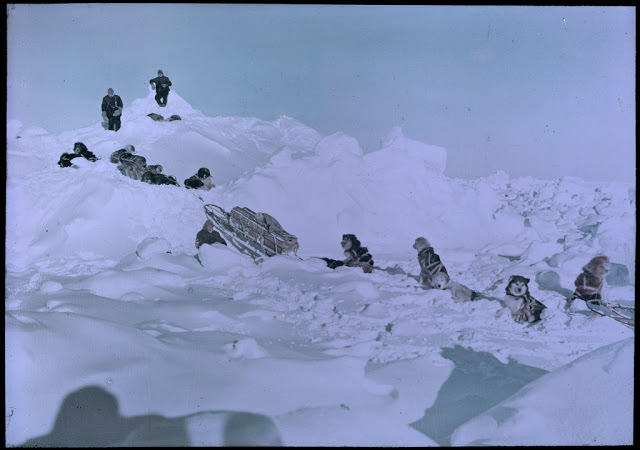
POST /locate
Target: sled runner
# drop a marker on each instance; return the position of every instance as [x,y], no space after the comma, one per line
[251,233]
[623,314]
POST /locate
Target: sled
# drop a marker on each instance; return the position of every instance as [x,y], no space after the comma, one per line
[623,314]
[251,233]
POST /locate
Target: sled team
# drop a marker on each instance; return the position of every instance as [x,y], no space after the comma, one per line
[135,166]
[524,308]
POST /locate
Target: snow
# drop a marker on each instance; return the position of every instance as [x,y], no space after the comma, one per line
[503,424]
[107,309]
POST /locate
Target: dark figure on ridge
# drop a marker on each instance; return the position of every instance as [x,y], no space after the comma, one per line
[161,84]
[112,110]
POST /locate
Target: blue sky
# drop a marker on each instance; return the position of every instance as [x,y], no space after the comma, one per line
[539,91]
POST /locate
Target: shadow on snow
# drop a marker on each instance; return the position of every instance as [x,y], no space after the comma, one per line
[478,382]
[89,417]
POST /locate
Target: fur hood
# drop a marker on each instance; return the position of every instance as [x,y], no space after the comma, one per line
[596,262]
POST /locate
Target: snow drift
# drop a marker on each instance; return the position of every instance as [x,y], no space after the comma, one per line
[105,302]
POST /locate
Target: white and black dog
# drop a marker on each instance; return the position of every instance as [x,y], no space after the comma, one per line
[432,272]
[523,306]
[459,292]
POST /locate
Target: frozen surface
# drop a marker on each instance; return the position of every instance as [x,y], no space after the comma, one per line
[107,309]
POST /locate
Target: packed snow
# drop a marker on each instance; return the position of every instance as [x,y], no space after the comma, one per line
[107,310]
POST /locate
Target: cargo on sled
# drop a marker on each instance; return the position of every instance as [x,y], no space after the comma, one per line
[253,233]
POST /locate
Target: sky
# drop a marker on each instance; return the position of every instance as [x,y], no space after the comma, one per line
[535,91]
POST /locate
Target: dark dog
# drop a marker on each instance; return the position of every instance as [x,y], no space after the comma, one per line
[79,149]
[160,118]
[133,166]
[156,117]
[115,156]
[356,255]
[159,178]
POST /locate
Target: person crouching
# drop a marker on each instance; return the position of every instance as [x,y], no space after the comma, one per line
[207,235]
[590,282]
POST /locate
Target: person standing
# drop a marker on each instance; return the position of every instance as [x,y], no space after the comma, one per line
[112,109]
[161,85]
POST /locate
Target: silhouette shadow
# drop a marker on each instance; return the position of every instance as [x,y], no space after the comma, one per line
[550,281]
[478,382]
[618,275]
[89,417]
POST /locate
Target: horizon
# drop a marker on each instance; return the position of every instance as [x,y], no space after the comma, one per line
[539,91]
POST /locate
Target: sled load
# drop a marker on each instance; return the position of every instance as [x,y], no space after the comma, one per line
[252,233]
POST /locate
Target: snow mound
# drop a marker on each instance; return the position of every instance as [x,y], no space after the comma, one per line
[603,377]
[152,246]
[430,155]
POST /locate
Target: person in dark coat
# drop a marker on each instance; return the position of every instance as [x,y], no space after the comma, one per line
[79,150]
[590,282]
[112,109]
[161,85]
[207,235]
[201,180]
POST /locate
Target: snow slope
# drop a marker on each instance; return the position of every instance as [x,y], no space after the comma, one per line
[509,423]
[106,305]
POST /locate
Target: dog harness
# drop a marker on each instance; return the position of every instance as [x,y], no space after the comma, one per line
[431,261]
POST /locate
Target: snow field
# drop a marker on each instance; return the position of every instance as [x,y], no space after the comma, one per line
[103,289]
